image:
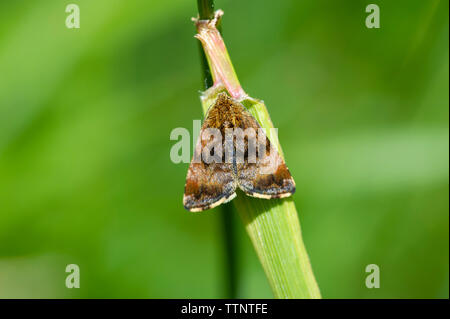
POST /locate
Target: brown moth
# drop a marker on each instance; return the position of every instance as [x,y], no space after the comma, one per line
[225,161]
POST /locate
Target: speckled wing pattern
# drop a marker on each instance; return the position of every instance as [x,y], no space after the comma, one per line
[209,185]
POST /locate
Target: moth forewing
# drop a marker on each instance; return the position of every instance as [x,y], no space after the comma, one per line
[268,177]
[211,181]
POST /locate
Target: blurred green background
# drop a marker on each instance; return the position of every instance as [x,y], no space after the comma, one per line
[85,119]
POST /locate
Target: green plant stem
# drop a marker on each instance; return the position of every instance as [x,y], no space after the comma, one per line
[205,9]
[231,249]
[273,225]
[206,12]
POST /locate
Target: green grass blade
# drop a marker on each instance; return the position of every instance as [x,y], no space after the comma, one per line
[273,227]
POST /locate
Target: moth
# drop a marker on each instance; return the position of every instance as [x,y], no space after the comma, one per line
[224,159]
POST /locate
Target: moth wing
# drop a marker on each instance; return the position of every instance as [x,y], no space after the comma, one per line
[268,176]
[208,185]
